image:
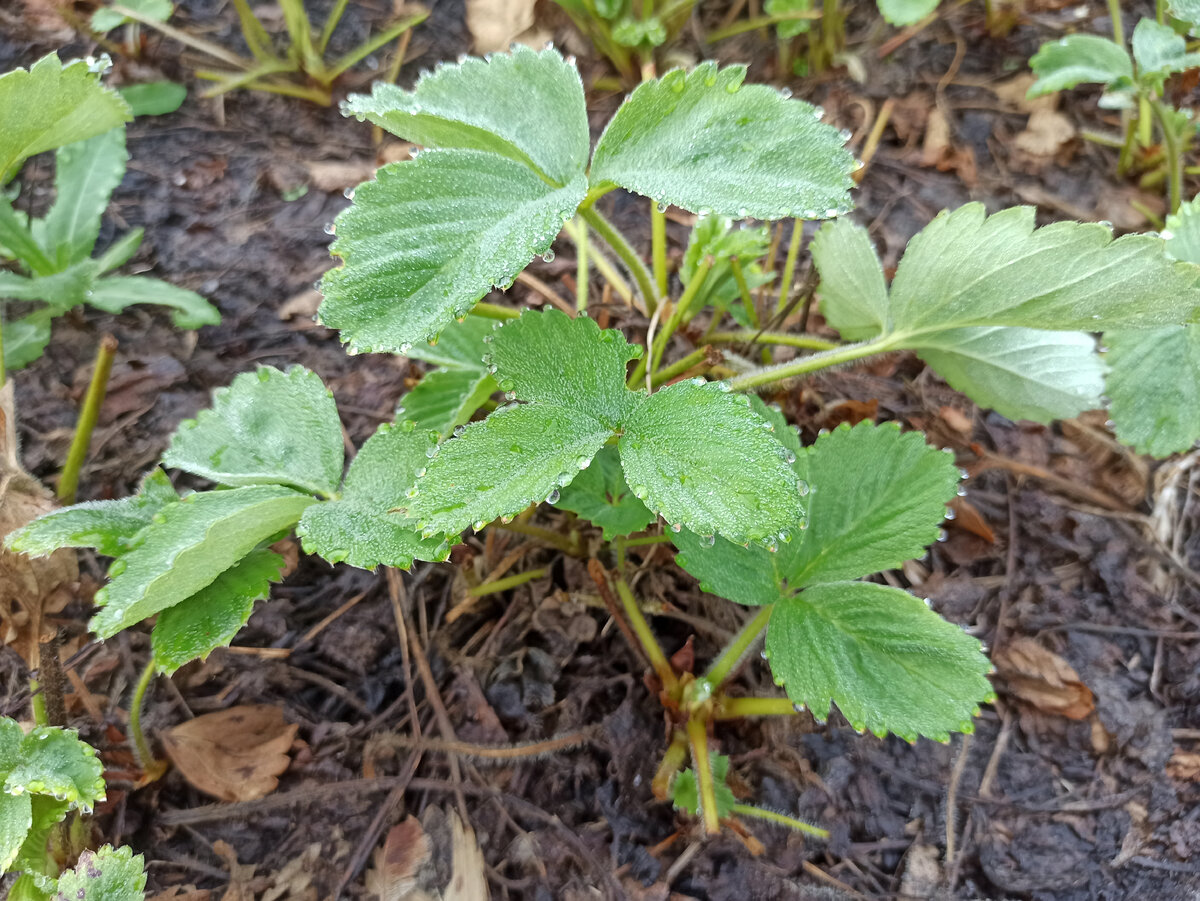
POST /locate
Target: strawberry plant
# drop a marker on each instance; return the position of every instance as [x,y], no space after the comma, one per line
[1004,310]
[49,777]
[53,254]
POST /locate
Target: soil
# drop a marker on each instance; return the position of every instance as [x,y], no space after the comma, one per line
[1033,805]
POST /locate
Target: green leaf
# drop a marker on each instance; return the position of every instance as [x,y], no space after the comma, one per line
[745,575]
[361,528]
[447,398]
[115,293]
[1154,384]
[1159,52]
[36,860]
[785,433]
[879,498]
[120,251]
[854,296]
[108,526]
[154,98]
[210,618]
[1188,11]
[549,357]
[54,762]
[703,141]
[906,12]
[460,345]
[1020,373]
[631,32]
[1079,59]
[11,736]
[86,174]
[526,106]
[429,237]
[268,427]
[105,19]
[104,875]
[685,792]
[889,663]
[969,269]
[25,339]
[519,455]
[703,459]
[1182,234]
[599,494]
[62,290]
[789,28]
[50,105]
[715,236]
[187,546]
[16,816]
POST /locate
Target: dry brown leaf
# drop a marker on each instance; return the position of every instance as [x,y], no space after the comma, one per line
[182,893]
[403,868]
[235,754]
[294,881]
[968,518]
[395,871]
[468,880]
[495,23]
[338,175]
[241,876]
[1044,680]
[1184,766]
[922,872]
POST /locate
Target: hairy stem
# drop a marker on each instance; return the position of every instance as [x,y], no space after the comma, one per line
[555,540]
[1118,27]
[739,276]
[141,746]
[672,763]
[809,342]
[782,819]
[733,652]
[789,265]
[658,247]
[487,310]
[581,267]
[1174,155]
[727,708]
[645,636]
[847,353]
[680,311]
[68,483]
[697,733]
[506,583]
[695,358]
[621,247]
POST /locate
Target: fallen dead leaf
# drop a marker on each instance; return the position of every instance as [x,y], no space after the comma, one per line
[970,519]
[396,867]
[468,880]
[294,881]
[182,893]
[495,23]
[1042,679]
[338,175]
[403,869]
[1184,766]
[302,308]
[242,884]
[922,872]
[235,754]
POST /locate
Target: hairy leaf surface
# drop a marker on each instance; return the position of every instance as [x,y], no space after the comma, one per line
[1079,59]
[16,816]
[519,455]
[188,545]
[702,140]
[267,427]
[889,663]
[210,618]
[1020,373]
[704,460]
[86,174]
[53,761]
[360,527]
[1159,52]
[52,104]
[746,575]
[599,494]
[685,792]
[572,363]
[906,12]
[105,875]
[1154,386]
[525,105]
[429,237]
[447,398]
[854,296]
[460,345]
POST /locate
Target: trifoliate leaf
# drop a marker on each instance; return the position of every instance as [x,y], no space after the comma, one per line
[108,526]
[906,12]
[700,457]
[789,28]
[50,105]
[519,455]
[105,875]
[878,500]
[460,345]
[429,237]
[889,663]
[685,791]
[969,269]
[599,494]
[527,106]
[16,816]
[715,237]
[745,575]
[447,398]
[631,32]
[704,141]
[267,427]
[854,296]
[1020,373]
[210,618]
[1079,59]
[1160,52]
[572,363]
[188,545]
[360,528]
[117,293]
[55,762]
[1154,384]
[86,173]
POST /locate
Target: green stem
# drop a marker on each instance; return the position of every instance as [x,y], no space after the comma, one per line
[335,16]
[37,701]
[68,483]
[757,22]
[789,265]
[1174,156]
[581,268]
[487,310]
[506,583]
[744,290]
[680,311]
[1118,27]
[727,708]
[658,247]
[697,735]
[645,636]
[783,338]
[3,368]
[141,746]
[733,652]
[847,353]
[672,762]
[576,230]
[621,247]
[553,539]
[695,358]
[365,50]
[782,819]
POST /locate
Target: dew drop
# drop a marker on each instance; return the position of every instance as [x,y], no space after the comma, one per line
[552,497]
[785,93]
[405,348]
[943,535]
[950,514]
[708,540]
[478,525]
[431,452]
[818,112]
[803,488]
[548,256]
[641,492]
[676,526]
[348,193]
[459,430]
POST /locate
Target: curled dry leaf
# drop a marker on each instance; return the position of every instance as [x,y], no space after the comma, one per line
[494,23]
[235,754]
[403,868]
[1042,679]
